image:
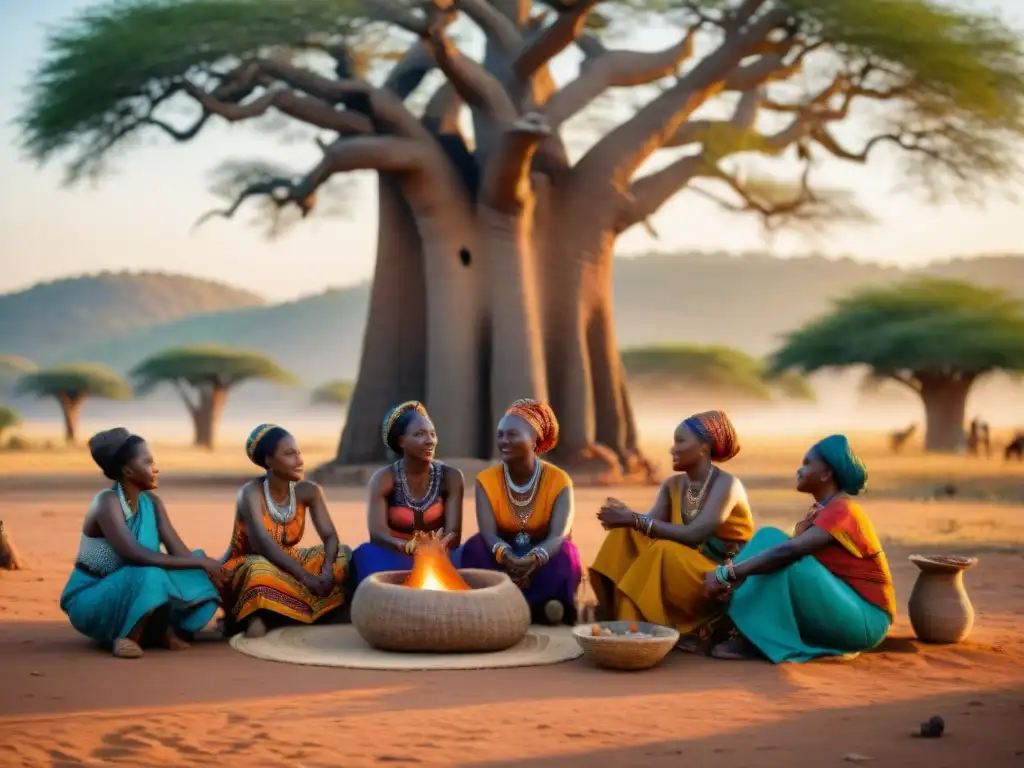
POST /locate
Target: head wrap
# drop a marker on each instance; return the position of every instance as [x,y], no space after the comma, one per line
[112,449]
[541,419]
[391,418]
[262,442]
[851,474]
[715,429]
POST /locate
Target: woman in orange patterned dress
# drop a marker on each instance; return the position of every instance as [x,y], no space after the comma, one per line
[270,578]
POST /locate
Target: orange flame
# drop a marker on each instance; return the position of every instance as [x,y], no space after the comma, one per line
[432,569]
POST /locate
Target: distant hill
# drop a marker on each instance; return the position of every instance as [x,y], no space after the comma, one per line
[743,301]
[53,321]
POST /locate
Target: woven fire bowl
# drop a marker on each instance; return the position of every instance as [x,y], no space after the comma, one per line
[620,650]
[492,616]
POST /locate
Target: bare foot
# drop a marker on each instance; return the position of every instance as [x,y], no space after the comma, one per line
[255,628]
[125,648]
[554,612]
[172,642]
[736,649]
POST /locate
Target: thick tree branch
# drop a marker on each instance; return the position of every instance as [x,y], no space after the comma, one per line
[620,152]
[552,40]
[507,176]
[406,76]
[477,87]
[309,110]
[388,154]
[497,28]
[441,115]
[193,408]
[614,69]
[907,380]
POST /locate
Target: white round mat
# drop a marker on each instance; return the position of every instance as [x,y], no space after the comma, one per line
[339,645]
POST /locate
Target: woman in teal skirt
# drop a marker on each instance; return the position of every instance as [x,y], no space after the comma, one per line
[827,591]
[123,590]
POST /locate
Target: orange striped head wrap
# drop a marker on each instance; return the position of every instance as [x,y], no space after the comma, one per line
[541,419]
[715,429]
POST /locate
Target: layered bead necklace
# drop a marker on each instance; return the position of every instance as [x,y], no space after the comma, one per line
[421,505]
[126,508]
[695,495]
[521,497]
[282,514]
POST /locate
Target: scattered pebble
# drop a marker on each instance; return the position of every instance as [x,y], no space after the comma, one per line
[933,728]
[36,674]
[853,757]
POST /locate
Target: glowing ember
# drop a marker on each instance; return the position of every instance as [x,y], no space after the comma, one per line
[432,569]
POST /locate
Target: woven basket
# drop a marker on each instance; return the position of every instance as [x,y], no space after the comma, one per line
[622,651]
[492,616]
[940,609]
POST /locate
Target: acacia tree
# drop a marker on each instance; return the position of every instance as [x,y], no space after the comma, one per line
[722,369]
[9,418]
[203,376]
[494,256]
[935,337]
[71,385]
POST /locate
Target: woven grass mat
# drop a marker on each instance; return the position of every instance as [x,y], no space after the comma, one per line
[339,645]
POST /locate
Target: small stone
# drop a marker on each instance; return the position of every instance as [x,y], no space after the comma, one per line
[853,757]
[36,674]
[933,728]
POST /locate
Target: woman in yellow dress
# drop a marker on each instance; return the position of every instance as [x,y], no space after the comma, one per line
[271,578]
[651,566]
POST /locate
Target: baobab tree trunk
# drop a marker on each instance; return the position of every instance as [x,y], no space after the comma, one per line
[945,407]
[71,407]
[392,367]
[206,415]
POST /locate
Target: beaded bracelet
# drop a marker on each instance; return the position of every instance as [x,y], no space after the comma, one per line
[648,525]
[722,574]
[638,521]
[499,550]
[540,555]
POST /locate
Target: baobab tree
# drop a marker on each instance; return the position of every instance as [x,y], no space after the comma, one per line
[495,250]
[203,376]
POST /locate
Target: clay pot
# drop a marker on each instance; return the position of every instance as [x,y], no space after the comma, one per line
[492,616]
[940,610]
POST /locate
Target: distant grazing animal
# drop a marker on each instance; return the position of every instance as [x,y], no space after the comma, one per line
[1015,448]
[978,437]
[899,438]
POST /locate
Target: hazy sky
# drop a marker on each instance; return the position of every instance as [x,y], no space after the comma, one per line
[139,216]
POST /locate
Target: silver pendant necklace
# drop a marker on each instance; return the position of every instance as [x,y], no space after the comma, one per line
[280,513]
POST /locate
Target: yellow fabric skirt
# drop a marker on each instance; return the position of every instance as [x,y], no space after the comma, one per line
[653,580]
[259,585]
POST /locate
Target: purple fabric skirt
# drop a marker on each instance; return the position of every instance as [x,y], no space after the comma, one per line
[558,580]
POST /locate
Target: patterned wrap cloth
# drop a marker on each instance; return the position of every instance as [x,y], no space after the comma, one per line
[541,419]
[715,429]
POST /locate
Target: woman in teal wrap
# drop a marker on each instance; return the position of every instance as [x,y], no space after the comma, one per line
[827,591]
[123,591]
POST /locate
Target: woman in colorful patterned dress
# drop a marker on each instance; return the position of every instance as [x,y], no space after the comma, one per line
[825,592]
[123,590]
[524,509]
[414,495]
[651,566]
[271,579]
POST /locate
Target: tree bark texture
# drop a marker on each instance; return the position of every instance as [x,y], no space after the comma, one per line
[206,415]
[945,408]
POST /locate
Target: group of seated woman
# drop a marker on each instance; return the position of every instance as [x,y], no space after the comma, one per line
[692,562]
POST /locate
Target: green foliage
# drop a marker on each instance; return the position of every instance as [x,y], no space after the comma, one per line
[338,392]
[926,326]
[721,368]
[75,381]
[107,67]
[8,418]
[222,367]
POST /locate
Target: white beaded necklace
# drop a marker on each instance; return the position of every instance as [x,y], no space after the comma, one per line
[280,513]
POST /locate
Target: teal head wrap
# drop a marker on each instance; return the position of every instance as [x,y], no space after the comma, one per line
[851,474]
